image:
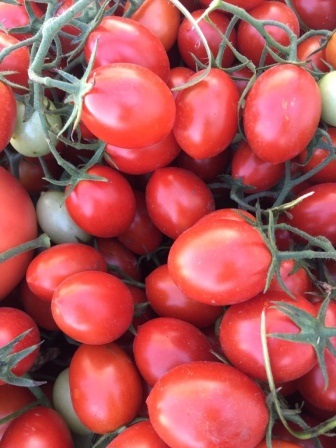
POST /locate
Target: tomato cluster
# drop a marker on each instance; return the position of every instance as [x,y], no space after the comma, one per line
[168,224]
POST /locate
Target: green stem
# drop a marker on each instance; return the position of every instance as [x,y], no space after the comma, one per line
[42,241]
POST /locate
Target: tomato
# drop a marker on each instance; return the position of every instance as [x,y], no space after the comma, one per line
[254,172]
[40,426]
[17,225]
[278,444]
[105,387]
[167,300]
[12,399]
[206,115]
[16,16]
[8,120]
[50,267]
[327,87]
[142,117]
[17,61]
[103,209]
[139,435]
[14,322]
[292,118]
[207,169]
[208,404]
[308,50]
[126,40]
[213,261]
[316,214]
[176,199]
[161,17]
[316,14]
[213,28]
[92,307]
[330,51]
[251,43]
[142,236]
[143,160]
[178,76]
[240,338]
[297,281]
[241,77]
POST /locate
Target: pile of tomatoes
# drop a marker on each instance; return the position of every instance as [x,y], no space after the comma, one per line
[168,224]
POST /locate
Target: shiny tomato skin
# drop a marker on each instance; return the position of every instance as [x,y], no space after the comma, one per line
[178,76]
[297,281]
[307,51]
[112,401]
[282,112]
[239,335]
[40,426]
[206,115]
[316,214]
[18,225]
[209,404]
[50,267]
[17,61]
[126,40]
[139,435]
[316,14]
[211,261]
[103,209]
[8,117]
[141,107]
[176,199]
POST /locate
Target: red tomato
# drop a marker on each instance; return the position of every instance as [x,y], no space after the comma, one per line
[139,435]
[164,343]
[240,338]
[213,28]
[50,267]
[167,300]
[92,307]
[105,387]
[241,78]
[297,281]
[103,209]
[178,76]
[317,14]
[287,98]
[126,40]
[8,120]
[40,426]
[278,444]
[308,50]
[16,16]
[251,43]
[14,322]
[207,169]
[176,199]
[15,204]
[206,115]
[208,404]
[316,214]
[141,108]
[213,261]
[17,61]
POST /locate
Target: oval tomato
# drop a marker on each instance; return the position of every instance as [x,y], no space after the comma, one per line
[17,61]
[310,50]
[139,435]
[316,14]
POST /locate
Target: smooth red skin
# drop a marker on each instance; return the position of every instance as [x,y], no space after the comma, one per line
[240,338]
[164,343]
[233,214]
[12,399]
[142,236]
[14,230]
[281,113]
[316,14]
[16,16]
[17,61]
[212,262]
[105,387]
[8,116]
[326,174]
[161,17]
[177,77]
[103,209]
[306,51]
[14,322]
[39,310]
[92,307]
[253,171]
[117,254]
[49,268]
[176,199]
[208,404]
[40,426]
[251,43]
[205,131]
[143,160]
[245,4]
[190,43]
[316,214]
[139,435]
[142,117]
[167,300]
[278,444]
[298,282]
[126,40]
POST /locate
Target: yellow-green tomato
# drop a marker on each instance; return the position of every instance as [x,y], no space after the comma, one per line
[63,404]
[327,86]
[29,138]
